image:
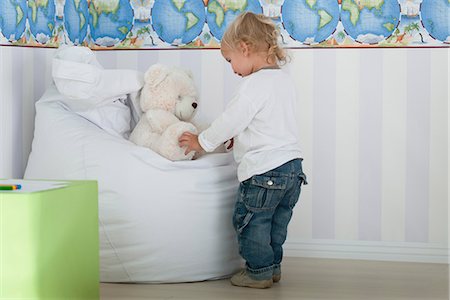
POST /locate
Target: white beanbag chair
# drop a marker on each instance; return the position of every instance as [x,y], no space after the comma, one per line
[160,221]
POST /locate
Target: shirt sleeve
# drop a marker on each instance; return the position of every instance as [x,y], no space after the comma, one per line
[236,117]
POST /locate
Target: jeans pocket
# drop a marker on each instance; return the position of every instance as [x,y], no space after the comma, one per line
[264,192]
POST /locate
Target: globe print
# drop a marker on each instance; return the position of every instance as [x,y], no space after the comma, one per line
[13,17]
[310,21]
[110,21]
[370,21]
[435,18]
[178,21]
[41,17]
[76,16]
[220,13]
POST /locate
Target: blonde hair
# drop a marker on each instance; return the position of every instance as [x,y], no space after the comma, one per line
[259,33]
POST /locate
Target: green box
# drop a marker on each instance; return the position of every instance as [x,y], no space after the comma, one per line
[49,247]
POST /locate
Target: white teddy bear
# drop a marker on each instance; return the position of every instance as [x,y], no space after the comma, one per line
[168,100]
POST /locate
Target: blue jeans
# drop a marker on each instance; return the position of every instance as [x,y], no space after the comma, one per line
[262,214]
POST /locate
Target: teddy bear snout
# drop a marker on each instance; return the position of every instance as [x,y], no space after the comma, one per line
[194,105]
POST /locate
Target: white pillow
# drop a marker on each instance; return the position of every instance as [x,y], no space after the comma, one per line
[96,94]
[78,75]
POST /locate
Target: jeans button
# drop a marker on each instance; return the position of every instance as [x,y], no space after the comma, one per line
[270,182]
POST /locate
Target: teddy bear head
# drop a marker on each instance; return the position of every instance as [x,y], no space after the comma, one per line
[171,89]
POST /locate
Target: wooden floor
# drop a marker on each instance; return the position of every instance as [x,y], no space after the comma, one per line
[310,278]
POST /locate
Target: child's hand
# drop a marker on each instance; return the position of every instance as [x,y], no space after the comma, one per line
[189,140]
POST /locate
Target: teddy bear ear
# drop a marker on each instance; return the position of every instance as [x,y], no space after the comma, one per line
[156,74]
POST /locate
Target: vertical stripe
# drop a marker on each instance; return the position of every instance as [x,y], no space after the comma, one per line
[231,81]
[170,57]
[301,69]
[108,59]
[29,99]
[127,60]
[393,145]
[418,144]
[448,162]
[48,55]
[38,71]
[438,192]
[16,113]
[370,92]
[347,118]
[211,75]
[191,60]
[324,143]
[146,59]
[6,127]
[42,70]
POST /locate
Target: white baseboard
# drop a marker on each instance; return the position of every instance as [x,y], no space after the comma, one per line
[365,250]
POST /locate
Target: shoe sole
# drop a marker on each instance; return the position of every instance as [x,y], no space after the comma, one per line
[260,285]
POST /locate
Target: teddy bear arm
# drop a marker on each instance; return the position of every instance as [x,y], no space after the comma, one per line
[159,120]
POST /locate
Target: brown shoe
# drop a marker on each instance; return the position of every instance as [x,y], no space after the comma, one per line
[276,278]
[242,279]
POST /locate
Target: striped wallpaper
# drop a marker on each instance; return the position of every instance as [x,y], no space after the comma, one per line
[374,128]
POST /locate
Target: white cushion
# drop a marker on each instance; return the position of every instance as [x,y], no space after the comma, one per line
[160,221]
[97,94]
[79,76]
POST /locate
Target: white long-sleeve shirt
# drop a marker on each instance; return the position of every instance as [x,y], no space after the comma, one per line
[261,118]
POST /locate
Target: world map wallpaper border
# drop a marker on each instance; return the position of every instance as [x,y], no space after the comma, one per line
[200,24]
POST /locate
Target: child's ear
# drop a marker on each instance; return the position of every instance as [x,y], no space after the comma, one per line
[244,48]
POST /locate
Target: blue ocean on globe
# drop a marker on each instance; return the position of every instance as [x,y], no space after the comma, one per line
[219,16]
[370,25]
[435,18]
[178,22]
[310,21]
[110,25]
[41,17]
[13,18]
[76,20]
